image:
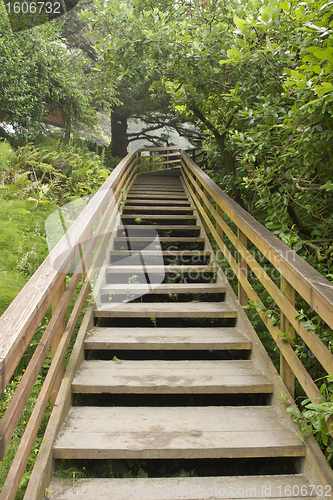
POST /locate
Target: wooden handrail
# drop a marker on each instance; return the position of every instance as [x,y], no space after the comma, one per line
[295,273]
[314,288]
[20,321]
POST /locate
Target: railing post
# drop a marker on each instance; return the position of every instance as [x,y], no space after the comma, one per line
[242,295]
[56,341]
[150,160]
[206,209]
[218,227]
[139,161]
[286,372]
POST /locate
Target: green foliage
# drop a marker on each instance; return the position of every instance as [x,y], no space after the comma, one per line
[6,155]
[34,182]
[313,420]
[38,73]
[5,464]
[56,172]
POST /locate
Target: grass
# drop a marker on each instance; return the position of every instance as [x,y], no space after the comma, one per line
[25,203]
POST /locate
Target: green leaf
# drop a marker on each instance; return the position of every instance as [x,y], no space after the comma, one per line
[328,186]
[325,54]
[297,75]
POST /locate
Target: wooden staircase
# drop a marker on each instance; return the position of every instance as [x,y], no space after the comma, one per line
[173,369]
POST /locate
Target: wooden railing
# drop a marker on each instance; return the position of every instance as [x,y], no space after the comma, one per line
[220,215]
[56,287]
[53,285]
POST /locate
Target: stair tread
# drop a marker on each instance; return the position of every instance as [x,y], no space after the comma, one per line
[129,199]
[164,252]
[169,268]
[181,196]
[167,338]
[181,488]
[164,288]
[170,377]
[160,207]
[168,217]
[167,310]
[161,226]
[189,239]
[175,432]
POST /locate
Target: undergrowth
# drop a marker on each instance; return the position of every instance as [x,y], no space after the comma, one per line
[34,180]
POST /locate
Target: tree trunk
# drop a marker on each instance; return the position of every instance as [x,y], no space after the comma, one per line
[119,139]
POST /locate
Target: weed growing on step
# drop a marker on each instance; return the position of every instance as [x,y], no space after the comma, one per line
[154,321]
[313,415]
[33,181]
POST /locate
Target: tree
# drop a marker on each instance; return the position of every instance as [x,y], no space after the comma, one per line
[257,76]
[38,73]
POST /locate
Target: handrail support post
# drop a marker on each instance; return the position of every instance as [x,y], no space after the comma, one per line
[56,341]
[242,295]
[286,371]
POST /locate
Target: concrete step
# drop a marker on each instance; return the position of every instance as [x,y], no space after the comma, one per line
[170,377]
[186,339]
[175,432]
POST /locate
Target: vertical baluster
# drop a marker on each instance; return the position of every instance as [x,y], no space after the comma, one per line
[242,295]
[139,161]
[56,341]
[206,208]
[218,227]
[286,372]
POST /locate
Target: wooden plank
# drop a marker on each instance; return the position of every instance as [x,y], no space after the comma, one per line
[164,288]
[286,371]
[312,286]
[21,319]
[176,254]
[171,268]
[130,200]
[181,488]
[166,227]
[167,310]
[159,186]
[17,403]
[156,182]
[176,432]
[158,196]
[171,218]
[41,473]
[314,343]
[167,339]
[154,178]
[149,239]
[158,163]
[147,209]
[57,339]
[170,377]
[242,296]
